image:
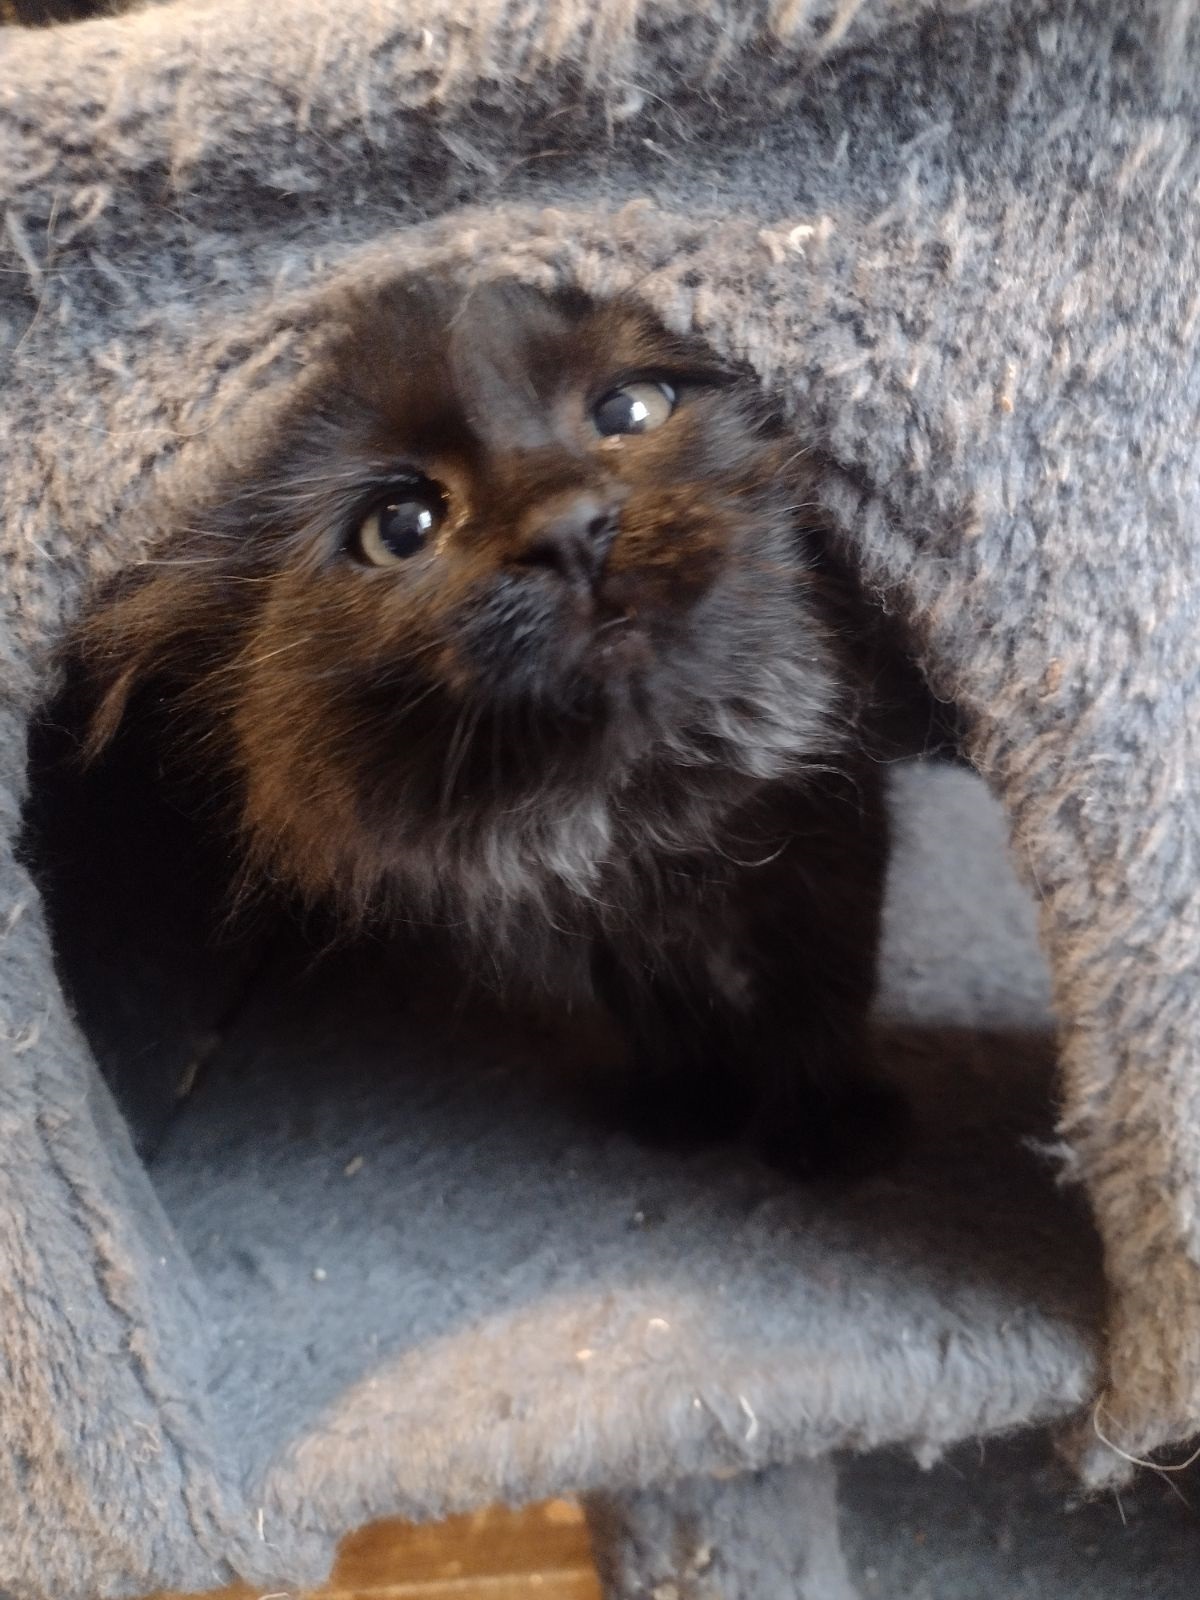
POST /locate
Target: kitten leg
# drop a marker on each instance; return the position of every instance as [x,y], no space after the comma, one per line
[811,928]
[750,1014]
[821,1110]
[794,1075]
[682,1088]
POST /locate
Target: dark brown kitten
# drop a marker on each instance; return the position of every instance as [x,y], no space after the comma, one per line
[527,628]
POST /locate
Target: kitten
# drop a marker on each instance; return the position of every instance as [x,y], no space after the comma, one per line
[528,627]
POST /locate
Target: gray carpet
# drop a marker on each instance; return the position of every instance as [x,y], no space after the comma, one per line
[510,1265]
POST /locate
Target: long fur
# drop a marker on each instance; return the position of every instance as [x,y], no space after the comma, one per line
[467,738]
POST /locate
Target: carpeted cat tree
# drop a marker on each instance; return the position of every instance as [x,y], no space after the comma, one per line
[371,1261]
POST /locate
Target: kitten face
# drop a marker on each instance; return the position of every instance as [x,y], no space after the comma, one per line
[527,591]
[562,560]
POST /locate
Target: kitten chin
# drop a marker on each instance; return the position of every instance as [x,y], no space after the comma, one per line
[527,625]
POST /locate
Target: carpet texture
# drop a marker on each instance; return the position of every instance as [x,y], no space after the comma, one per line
[959,242]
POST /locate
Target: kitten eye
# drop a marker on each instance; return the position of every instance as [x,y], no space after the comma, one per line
[634,408]
[401,525]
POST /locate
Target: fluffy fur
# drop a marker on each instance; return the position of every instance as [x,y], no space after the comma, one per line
[612,711]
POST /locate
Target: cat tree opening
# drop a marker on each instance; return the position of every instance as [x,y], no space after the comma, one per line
[433,1278]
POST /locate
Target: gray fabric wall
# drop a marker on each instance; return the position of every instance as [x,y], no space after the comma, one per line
[960,244]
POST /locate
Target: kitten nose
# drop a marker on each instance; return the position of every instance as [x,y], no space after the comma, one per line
[574,537]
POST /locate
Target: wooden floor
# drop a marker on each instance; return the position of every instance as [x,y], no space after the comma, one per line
[494,1555]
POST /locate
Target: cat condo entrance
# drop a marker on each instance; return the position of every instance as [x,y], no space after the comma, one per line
[434,1278]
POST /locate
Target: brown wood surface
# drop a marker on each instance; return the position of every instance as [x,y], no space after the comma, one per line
[542,1552]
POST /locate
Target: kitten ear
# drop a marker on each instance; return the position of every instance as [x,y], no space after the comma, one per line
[150,625]
[107,715]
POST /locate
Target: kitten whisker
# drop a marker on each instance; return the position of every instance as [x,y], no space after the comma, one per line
[465,725]
[270,655]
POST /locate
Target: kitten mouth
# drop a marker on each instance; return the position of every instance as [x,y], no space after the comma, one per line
[618,640]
